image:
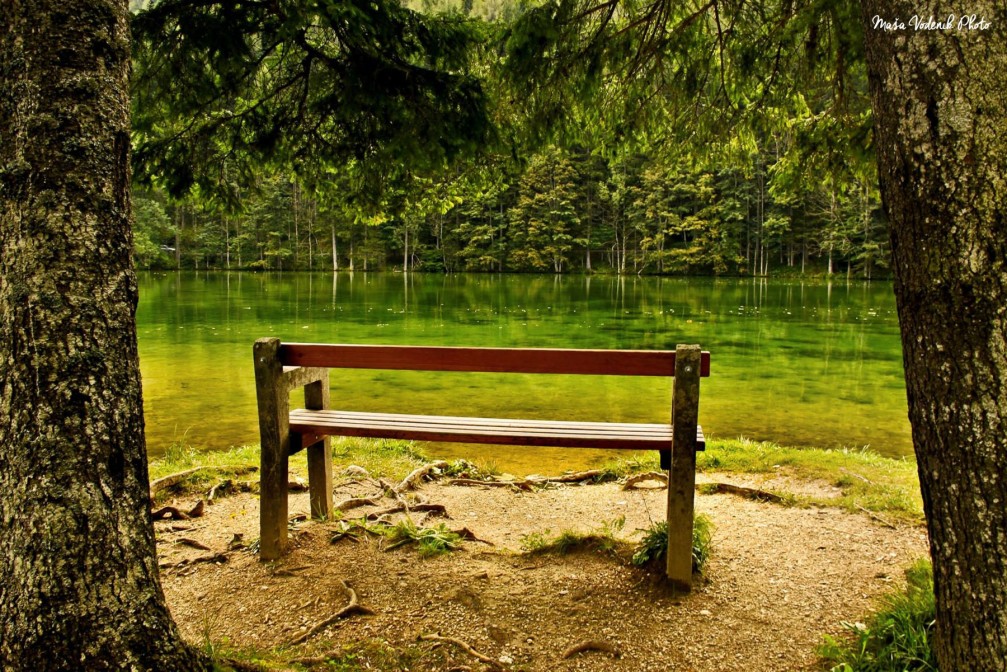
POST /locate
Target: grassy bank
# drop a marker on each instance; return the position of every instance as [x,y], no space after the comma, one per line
[864,481]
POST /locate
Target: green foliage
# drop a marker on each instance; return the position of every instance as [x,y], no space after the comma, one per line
[534,542]
[466,469]
[221,88]
[345,134]
[654,547]
[151,226]
[566,209]
[869,480]
[897,638]
[430,541]
[601,540]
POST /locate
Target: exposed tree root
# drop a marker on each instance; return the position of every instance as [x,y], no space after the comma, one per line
[856,475]
[213,557]
[532,482]
[481,657]
[356,502]
[591,645]
[192,543]
[468,535]
[354,607]
[174,513]
[417,476]
[520,485]
[576,477]
[633,481]
[876,518]
[741,491]
[164,482]
[432,508]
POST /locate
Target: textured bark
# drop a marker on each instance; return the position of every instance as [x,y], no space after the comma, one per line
[79,587]
[940,104]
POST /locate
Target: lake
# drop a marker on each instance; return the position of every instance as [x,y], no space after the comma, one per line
[799,363]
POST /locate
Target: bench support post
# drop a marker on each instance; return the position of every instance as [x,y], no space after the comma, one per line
[274,434]
[316,396]
[682,476]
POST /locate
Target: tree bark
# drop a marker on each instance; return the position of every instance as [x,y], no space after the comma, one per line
[941,134]
[79,586]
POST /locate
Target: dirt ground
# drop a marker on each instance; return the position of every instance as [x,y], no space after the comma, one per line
[777,580]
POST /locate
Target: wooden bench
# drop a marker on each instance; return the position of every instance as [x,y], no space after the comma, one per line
[282,367]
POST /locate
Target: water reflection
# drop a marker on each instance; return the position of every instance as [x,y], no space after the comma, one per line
[799,363]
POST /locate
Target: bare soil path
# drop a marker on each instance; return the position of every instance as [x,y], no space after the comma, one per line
[779,577]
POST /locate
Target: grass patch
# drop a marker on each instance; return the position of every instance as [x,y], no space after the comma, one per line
[866,480]
[481,470]
[898,636]
[381,458]
[600,540]
[654,547]
[430,541]
[369,654]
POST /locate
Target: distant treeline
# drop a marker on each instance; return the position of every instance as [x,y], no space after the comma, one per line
[563,210]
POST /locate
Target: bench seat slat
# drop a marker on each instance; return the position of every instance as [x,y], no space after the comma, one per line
[506,431]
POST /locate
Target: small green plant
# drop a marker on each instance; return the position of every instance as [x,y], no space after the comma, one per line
[601,539]
[898,636]
[180,454]
[702,536]
[654,546]
[429,541]
[478,471]
[534,542]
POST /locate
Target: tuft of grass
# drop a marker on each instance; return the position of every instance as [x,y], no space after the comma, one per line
[430,541]
[368,654]
[866,479]
[381,458]
[476,470]
[179,457]
[534,542]
[654,547]
[898,636]
[601,540]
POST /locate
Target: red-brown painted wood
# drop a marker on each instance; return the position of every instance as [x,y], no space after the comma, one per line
[500,360]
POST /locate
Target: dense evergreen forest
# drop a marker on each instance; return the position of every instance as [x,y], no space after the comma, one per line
[793,190]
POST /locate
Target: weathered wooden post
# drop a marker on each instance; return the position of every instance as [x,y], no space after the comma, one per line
[274,436]
[682,476]
[316,397]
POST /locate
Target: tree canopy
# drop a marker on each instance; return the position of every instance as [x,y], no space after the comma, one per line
[226,88]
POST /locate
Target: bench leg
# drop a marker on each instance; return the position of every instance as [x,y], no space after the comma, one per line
[274,435]
[682,477]
[316,396]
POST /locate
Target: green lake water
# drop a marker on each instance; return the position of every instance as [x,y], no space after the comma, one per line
[798,363]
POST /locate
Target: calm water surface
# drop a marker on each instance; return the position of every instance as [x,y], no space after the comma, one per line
[798,363]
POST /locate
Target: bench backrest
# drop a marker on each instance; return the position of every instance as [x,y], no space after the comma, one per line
[500,360]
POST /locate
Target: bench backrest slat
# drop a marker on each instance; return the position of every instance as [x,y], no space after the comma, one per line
[502,360]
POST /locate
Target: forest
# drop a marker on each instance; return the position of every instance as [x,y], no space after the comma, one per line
[792,190]
[644,136]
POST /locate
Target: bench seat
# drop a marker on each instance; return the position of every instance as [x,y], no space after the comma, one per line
[314,424]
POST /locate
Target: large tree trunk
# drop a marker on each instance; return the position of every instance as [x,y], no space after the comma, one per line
[941,134]
[79,587]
